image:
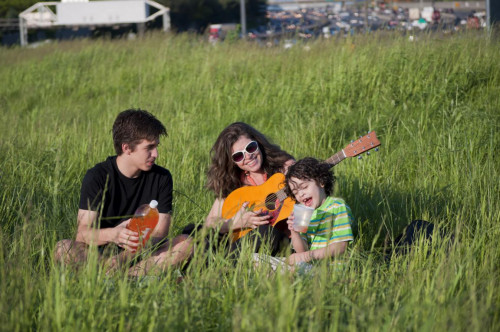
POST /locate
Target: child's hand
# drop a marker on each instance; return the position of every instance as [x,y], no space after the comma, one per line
[289,221]
[299,257]
[294,259]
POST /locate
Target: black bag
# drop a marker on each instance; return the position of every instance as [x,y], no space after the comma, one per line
[403,243]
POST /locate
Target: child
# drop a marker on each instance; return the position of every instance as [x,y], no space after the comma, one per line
[310,182]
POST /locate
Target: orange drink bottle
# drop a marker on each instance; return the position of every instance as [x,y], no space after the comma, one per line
[144,221]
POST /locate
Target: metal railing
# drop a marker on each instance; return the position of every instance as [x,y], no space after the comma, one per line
[9,23]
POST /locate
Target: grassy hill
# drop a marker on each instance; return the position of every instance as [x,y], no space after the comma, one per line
[434,104]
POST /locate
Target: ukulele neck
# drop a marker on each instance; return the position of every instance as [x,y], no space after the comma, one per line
[336,158]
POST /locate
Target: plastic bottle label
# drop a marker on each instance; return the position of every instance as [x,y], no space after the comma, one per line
[145,232]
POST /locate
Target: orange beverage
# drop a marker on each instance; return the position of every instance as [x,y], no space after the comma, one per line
[144,221]
[300,229]
[301,217]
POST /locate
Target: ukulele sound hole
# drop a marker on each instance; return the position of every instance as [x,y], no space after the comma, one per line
[271,202]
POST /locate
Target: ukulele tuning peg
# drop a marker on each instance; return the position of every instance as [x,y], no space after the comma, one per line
[368,153]
[352,141]
[376,149]
[360,157]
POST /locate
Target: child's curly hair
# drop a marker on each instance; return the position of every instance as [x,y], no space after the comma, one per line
[310,169]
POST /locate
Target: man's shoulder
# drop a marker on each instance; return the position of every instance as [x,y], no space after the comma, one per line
[102,169]
[159,170]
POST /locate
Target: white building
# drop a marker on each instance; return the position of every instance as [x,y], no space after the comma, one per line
[78,13]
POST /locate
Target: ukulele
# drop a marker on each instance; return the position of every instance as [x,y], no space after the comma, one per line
[271,197]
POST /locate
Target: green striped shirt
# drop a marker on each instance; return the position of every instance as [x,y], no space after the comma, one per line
[330,223]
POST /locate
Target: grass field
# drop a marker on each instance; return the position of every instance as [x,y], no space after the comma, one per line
[434,103]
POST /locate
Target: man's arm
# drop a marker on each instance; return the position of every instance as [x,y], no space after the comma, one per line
[162,228]
[120,235]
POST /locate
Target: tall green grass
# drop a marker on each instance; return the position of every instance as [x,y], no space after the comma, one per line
[435,106]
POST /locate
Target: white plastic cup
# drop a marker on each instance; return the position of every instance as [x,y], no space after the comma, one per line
[302,216]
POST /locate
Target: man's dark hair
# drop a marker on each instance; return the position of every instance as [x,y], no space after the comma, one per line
[134,125]
[311,169]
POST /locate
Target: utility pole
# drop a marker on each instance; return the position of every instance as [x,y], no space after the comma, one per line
[488,15]
[243,19]
[366,16]
[23,31]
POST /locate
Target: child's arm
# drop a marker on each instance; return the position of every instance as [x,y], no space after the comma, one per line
[302,252]
[298,243]
[334,249]
[338,221]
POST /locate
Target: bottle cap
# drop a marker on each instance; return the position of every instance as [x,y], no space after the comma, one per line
[153,204]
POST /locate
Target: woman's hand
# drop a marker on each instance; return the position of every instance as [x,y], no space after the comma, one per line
[249,219]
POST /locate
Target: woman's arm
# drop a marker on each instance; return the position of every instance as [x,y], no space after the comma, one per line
[215,219]
[214,216]
[242,219]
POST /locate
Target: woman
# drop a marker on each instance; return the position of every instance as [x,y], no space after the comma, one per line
[242,156]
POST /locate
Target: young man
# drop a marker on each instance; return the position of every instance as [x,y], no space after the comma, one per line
[111,192]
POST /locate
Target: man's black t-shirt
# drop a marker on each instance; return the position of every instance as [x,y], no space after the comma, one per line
[123,195]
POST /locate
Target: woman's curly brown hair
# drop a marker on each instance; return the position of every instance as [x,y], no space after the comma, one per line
[311,169]
[224,175]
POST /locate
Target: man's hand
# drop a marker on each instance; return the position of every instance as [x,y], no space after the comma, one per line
[125,238]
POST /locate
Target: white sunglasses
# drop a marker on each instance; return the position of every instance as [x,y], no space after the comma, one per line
[251,148]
